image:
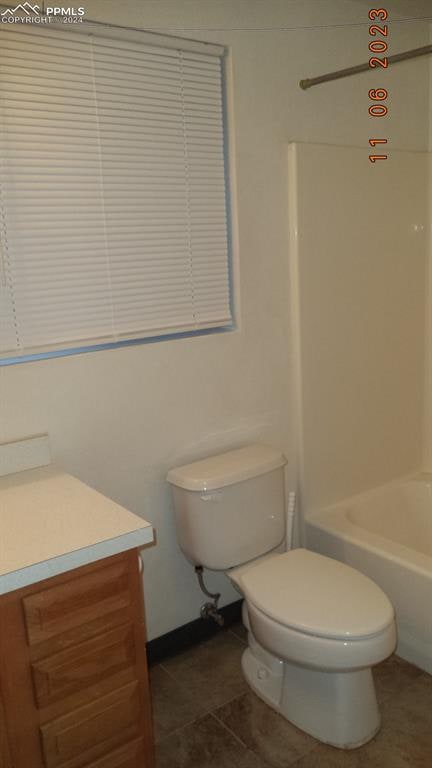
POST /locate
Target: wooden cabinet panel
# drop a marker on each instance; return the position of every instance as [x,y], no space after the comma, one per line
[5,756]
[75,602]
[78,668]
[129,756]
[73,671]
[93,730]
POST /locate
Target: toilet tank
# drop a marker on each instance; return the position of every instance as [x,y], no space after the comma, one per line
[230,508]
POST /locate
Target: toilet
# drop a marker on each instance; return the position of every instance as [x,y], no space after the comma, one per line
[316,626]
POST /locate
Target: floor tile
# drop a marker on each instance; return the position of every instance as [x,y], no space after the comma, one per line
[205,744]
[207,717]
[404,741]
[211,672]
[329,757]
[173,705]
[407,723]
[264,731]
[392,676]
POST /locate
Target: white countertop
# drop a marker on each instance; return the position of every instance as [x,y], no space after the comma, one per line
[50,523]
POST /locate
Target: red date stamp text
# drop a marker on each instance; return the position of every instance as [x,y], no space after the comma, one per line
[378,45]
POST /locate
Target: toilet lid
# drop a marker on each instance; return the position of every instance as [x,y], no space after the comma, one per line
[317,595]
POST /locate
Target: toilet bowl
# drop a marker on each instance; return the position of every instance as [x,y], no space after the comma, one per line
[315,626]
[311,650]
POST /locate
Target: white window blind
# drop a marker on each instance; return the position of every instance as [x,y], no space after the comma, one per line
[112,190]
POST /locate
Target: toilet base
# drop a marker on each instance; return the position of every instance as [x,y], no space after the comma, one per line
[337,708]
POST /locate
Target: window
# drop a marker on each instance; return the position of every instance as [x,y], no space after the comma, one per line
[113,221]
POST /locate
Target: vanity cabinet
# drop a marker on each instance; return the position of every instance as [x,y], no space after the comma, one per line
[74,687]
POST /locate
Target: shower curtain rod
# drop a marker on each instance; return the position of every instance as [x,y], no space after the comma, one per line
[413,54]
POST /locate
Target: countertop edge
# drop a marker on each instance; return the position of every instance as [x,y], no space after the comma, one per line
[24,577]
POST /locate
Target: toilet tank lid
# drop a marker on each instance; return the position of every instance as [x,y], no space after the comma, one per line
[227,468]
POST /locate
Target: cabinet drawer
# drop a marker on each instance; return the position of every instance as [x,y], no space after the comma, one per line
[78,668]
[78,738]
[129,756]
[58,609]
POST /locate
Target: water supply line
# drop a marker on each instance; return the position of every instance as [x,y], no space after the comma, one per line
[209,610]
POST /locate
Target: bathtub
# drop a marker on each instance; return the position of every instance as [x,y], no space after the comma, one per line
[387,534]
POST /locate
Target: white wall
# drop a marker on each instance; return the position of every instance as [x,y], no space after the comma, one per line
[427,459]
[427,434]
[359,249]
[119,419]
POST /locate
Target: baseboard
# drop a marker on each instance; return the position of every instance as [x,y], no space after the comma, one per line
[184,637]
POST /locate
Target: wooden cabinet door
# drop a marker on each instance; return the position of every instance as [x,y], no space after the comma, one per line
[77,669]
[99,593]
[132,755]
[84,734]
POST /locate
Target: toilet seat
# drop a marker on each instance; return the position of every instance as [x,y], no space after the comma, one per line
[315,595]
[314,651]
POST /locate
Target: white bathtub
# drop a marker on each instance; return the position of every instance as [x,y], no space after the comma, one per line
[387,534]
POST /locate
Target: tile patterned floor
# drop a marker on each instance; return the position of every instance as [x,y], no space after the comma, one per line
[206,717]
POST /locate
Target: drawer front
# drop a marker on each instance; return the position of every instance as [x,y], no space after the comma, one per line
[130,756]
[91,731]
[56,610]
[78,668]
